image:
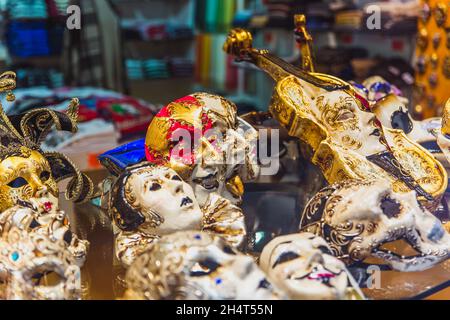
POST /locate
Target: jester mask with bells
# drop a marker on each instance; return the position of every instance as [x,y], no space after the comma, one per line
[367,222]
[196,266]
[334,119]
[28,172]
[303,266]
[149,201]
[203,140]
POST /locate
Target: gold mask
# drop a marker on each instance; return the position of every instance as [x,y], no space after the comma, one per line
[25,177]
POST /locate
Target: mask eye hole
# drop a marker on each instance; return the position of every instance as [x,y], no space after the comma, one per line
[18,183]
[285,257]
[44,176]
[229,250]
[46,278]
[391,208]
[68,236]
[155,187]
[176,178]
[204,268]
[400,120]
[209,182]
[264,284]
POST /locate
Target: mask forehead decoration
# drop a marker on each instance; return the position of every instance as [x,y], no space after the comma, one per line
[358,230]
[192,115]
[203,140]
[335,119]
[28,258]
[196,266]
[303,266]
[29,170]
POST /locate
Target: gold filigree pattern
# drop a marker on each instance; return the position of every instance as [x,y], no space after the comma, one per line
[334,119]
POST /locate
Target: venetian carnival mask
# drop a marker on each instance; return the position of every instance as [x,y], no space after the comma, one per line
[155,200]
[357,229]
[150,201]
[392,110]
[196,266]
[35,267]
[147,202]
[376,88]
[201,138]
[27,171]
[302,266]
[25,176]
[335,120]
[42,216]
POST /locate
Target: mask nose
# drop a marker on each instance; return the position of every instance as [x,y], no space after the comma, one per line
[315,258]
[175,187]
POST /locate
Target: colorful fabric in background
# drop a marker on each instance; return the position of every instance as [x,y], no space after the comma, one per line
[40,36]
[181,67]
[34,38]
[93,57]
[31,77]
[154,31]
[27,38]
[36,9]
[129,116]
[23,9]
[213,67]
[155,69]
[214,15]
[159,68]
[61,6]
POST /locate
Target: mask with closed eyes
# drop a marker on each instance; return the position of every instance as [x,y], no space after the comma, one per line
[302,265]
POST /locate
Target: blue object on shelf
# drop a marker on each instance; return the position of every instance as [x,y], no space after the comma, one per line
[118,159]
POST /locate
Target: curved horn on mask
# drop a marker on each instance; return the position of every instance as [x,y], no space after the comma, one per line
[80,187]
[36,124]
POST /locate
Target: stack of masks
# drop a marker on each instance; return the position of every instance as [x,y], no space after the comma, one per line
[175,196]
[35,238]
